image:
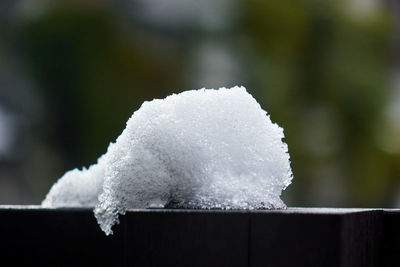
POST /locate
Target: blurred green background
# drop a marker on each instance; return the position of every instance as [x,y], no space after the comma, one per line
[72,73]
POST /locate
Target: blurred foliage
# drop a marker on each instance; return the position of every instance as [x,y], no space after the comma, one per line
[322,69]
[94,73]
[325,72]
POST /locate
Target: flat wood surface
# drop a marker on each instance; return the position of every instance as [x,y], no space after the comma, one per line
[35,236]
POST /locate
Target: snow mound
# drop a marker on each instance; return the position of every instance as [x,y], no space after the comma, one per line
[77,188]
[200,149]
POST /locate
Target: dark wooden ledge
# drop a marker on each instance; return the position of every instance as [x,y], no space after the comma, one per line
[34,236]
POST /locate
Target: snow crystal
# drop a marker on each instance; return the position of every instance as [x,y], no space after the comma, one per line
[201,149]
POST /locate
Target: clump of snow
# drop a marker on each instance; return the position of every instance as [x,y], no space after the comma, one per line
[198,149]
[77,188]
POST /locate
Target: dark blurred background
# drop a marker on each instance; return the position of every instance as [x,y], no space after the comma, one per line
[73,72]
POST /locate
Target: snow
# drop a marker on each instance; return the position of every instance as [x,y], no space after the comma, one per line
[77,188]
[202,149]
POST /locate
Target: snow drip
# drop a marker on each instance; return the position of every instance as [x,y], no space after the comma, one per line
[202,149]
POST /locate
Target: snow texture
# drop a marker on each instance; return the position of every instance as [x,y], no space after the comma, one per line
[77,188]
[203,149]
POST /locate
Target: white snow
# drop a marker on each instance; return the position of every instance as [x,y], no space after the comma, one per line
[77,188]
[201,149]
